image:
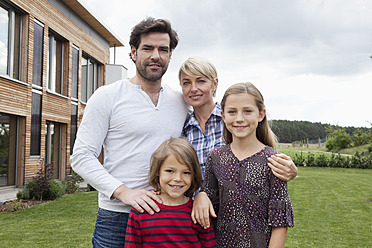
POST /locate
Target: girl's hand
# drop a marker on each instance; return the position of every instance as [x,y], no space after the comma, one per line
[201,209]
[282,167]
[278,237]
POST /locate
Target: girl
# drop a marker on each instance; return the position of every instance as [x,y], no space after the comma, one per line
[175,172]
[252,205]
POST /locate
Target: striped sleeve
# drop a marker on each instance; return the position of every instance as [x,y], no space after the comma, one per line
[133,238]
[207,238]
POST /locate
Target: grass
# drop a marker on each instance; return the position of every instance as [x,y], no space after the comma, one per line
[304,153]
[66,222]
[330,205]
[290,151]
[352,150]
[331,208]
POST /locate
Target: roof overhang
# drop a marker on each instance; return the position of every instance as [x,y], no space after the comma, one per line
[88,17]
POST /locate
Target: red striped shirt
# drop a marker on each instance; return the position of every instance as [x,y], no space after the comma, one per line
[171,227]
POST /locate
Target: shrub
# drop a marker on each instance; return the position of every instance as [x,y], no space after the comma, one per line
[337,139]
[369,161]
[299,160]
[310,161]
[42,180]
[42,187]
[54,191]
[321,161]
[339,161]
[69,186]
[29,191]
[90,188]
[370,148]
[71,182]
[358,161]
[361,138]
[16,205]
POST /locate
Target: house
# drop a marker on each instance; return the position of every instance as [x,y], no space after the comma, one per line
[53,56]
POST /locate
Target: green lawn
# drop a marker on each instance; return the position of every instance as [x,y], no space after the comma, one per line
[290,151]
[305,152]
[330,208]
[66,222]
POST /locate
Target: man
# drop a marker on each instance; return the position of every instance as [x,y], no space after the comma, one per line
[130,118]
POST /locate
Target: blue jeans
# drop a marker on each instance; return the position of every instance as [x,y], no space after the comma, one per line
[110,229]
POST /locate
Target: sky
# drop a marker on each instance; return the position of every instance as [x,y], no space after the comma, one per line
[310,59]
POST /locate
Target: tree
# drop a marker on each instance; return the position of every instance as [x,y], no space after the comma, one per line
[361,138]
[337,139]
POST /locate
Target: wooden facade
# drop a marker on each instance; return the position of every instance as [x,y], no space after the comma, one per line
[75,28]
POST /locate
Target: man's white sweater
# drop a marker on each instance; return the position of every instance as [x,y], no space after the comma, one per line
[122,118]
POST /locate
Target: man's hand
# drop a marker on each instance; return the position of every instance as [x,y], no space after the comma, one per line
[201,209]
[283,167]
[142,200]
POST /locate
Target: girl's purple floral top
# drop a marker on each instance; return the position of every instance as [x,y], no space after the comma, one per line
[248,199]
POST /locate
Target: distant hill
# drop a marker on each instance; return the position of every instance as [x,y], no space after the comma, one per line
[290,131]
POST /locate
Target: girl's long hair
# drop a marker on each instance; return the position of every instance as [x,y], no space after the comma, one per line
[263,131]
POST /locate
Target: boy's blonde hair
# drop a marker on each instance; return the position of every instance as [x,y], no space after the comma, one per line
[185,154]
[199,66]
[263,131]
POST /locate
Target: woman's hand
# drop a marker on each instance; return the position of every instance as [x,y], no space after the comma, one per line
[201,210]
[283,167]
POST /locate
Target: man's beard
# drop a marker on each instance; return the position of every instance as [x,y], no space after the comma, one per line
[149,74]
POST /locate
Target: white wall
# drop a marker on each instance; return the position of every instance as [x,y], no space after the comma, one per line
[115,73]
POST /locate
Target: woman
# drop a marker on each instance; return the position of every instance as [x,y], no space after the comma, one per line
[203,129]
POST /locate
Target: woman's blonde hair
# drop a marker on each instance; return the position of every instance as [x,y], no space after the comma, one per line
[263,131]
[199,66]
[185,154]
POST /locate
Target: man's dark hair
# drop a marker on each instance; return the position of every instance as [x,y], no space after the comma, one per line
[150,25]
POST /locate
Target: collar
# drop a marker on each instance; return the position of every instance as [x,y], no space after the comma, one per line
[215,112]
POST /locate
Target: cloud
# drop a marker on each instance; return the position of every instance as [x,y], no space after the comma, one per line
[307,57]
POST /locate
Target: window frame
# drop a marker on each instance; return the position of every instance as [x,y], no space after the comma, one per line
[37,89]
[56,63]
[75,73]
[14,42]
[36,116]
[37,69]
[90,77]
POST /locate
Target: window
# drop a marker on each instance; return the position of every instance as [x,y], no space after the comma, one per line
[35,123]
[89,77]
[10,41]
[75,72]
[74,95]
[37,74]
[73,125]
[37,80]
[55,63]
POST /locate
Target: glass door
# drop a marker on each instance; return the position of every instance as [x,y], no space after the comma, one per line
[8,150]
[53,147]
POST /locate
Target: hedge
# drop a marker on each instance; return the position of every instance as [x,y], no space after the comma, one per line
[359,160]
